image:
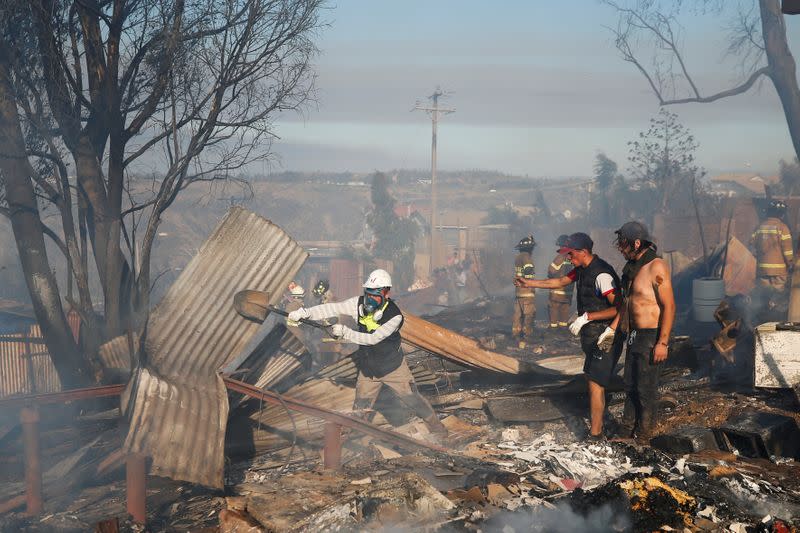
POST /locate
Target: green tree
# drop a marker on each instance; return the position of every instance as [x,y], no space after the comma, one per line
[605,171]
[394,236]
[662,159]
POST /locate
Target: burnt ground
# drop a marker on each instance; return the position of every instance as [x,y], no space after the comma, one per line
[509,476]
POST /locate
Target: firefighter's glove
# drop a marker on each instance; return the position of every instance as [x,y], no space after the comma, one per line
[338,330]
[298,315]
[575,327]
[606,340]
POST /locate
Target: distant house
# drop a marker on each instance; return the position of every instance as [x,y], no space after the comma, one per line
[741,184]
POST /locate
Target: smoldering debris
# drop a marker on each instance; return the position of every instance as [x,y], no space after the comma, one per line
[570,465]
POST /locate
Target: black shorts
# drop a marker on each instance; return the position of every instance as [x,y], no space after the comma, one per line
[599,365]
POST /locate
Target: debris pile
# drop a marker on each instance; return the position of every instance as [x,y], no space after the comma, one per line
[294,458]
[569,465]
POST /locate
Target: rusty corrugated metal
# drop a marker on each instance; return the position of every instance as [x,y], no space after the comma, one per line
[13,367]
[74,321]
[345,276]
[450,345]
[26,366]
[177,405]
[45,377]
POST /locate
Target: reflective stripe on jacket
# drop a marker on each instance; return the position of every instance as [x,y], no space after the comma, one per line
[523,268]
[772,242]
[560,267]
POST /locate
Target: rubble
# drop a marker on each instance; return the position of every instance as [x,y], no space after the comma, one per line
[759,434]
[722,458]
[777,355]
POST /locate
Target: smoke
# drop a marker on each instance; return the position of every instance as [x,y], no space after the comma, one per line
[562,517]
[754,499]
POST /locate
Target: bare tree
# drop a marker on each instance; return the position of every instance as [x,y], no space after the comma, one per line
[758,38]
[95,91]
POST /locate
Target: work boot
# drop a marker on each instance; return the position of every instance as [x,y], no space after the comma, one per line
[435,425]
[645,426]
[594,439]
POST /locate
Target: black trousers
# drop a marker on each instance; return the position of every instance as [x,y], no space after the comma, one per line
[642,378]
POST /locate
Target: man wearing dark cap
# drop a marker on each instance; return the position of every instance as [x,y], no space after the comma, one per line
[597,287]
[647,313]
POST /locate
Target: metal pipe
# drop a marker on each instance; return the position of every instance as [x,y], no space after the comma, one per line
[29,417]
[136,487]
[332,454]
[331,416]
[63,396]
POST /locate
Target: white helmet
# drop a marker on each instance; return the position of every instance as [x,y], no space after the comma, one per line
[378,279]
[296,290]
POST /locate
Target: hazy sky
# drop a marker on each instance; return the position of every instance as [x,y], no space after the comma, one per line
[537,84]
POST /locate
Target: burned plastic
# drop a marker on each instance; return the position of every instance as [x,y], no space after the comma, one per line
[690,439]
[760,434]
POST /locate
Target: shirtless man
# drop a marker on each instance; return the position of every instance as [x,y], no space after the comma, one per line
[646,315]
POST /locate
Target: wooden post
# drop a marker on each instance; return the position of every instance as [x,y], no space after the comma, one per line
[332,459]
[136,487]
[29,417]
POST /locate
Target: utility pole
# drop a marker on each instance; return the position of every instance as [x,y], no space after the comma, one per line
[434,111]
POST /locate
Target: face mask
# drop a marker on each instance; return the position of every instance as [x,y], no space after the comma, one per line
[373,300]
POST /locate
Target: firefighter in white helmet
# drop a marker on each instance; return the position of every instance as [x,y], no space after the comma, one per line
[379,359]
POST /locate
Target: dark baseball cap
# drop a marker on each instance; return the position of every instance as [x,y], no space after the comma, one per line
[630,231]
[577,241]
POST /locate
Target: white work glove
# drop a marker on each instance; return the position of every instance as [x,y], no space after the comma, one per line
[298,314]
[606,339]
[575,327]
[338,330]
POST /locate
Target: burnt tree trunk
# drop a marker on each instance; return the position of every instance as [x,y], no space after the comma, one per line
[782,67]
[783,73]
[26,223]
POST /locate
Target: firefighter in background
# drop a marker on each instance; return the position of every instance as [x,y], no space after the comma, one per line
[524,300]
[322,292]
[560,299]
[772,243]
[293,300]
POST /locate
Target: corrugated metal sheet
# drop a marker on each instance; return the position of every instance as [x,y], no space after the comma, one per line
[274,427]
[45,377]
[345,370]
[13,367]
[115,356]
[345,276]
[26,366]
[277,355]
[177,405]
[450,345]
[272,355]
